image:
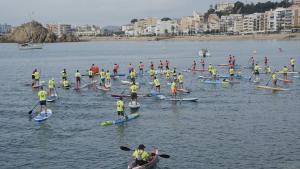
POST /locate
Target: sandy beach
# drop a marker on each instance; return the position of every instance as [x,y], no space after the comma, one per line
[281,36]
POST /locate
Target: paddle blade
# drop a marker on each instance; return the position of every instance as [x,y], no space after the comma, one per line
[30,112]
[125,148]
[164,155]
[106,123]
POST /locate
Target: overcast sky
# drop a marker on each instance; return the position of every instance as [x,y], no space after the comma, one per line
[99,12]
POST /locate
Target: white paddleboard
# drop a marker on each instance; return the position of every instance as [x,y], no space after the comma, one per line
[42,116]
[183,99]
[134,105]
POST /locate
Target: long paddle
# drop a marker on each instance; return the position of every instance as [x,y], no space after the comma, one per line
[128,149]
[33,107]
[269,81]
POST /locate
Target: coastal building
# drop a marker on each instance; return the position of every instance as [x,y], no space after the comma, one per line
[213,22]
[249,24]
[59,29]
[224,6]
[259,22]
[141,27]
[295,15]
[238,24]
[187,25]
[282,18]
[87,30]
[269,18]
[5,28]
[198,22]
[296,2]
[227,22]
[166,27]
[128,29]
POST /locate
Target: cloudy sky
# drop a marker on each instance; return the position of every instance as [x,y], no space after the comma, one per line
[99,12]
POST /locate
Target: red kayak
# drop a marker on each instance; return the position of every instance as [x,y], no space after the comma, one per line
[151,163]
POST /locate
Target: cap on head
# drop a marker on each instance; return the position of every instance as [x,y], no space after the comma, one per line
[141,147]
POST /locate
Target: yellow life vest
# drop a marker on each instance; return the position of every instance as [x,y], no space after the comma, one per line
[173,86]
[102,75]
[51,84]
[143,156]
[42,95]
[293,61]
[107,75]
[180,78]
[152,72]
[37,75]
[274,76]
[120,105]
[65,83]
[134,88]
[132,74]
[156,82]
[231,71]
[285,70]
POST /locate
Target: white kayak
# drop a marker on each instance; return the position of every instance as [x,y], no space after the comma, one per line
[42,116]
[134,105]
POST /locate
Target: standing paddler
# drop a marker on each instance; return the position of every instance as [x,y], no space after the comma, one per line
[293,62]
[77,78]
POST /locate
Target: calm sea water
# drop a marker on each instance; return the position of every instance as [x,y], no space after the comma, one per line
[229,127]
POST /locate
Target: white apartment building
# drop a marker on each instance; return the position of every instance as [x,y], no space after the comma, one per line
[224,6]
[166,27]
[4,28]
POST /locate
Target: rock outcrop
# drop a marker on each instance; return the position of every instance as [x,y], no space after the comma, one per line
[36,33]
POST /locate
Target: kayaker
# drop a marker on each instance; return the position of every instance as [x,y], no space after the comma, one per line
[77,78]
[64,74]
[132,75]
[152,73]
[285,72]
[51,85]
[141,67]
[66,84]
[231,73]
[180,80]
[293,62]
[202,63]
[134,89]
[156,84]
[120,107]
[141,156]
[194,66]
[36,78]
[102,77]
[115,69]
[107,74]
[274,79]
[174,88]
[256,71]
[42,94]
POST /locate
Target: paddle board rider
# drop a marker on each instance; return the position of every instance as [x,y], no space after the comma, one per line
[120,107]
[231,73]
[140,156]
[266,61]
[174,74]
[214,73]
[36,78]
[202,63]
[77,78]
[293,62]
[180,80]
[233,60]
[152,73]
[132,75]
[285,72]
[141,67]
[51,85]
[91,75]
[151,65]
[210,68]
[64,75]
[167,64]
[256,71]
[107,77]
[274,79]
[160,66]
[102,77]
[168,74]
[134,89]
[194,66]
[174,89]
[33,77]
[42,94]
[115,69]
[130,68]
[157,84]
